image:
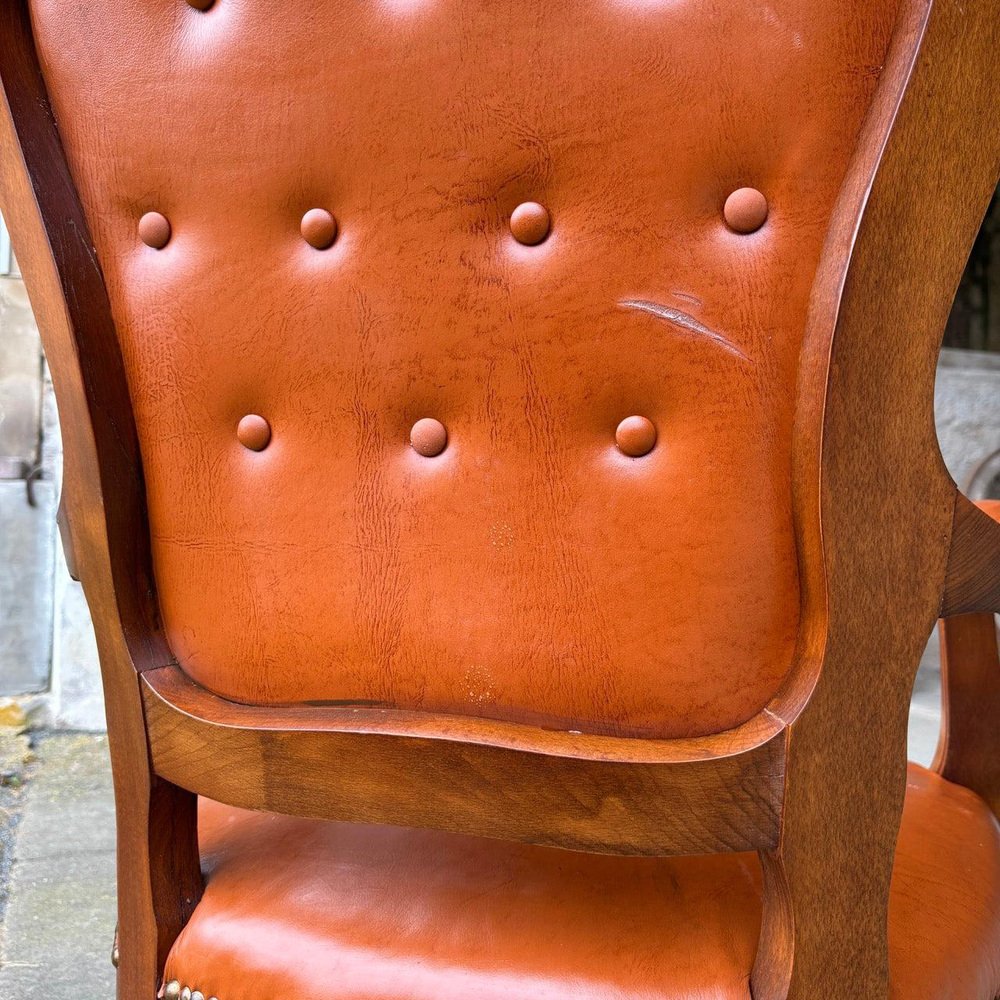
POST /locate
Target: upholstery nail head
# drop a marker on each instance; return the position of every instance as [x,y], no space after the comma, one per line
[745,210]
[172,990]
[186,993]
[318,228]
[253,432]
[154,230]
[428,437]
[197,995]
[530,223]
[636,436]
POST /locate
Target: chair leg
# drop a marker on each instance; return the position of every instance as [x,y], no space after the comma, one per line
[159,882]
[824,924]
[826,884]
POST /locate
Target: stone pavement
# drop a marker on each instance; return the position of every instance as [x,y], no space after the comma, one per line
[57,824]
[59,922]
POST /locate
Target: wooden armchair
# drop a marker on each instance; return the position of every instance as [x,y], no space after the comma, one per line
[501,465]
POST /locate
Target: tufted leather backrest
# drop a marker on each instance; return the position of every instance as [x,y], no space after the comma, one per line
[464,382]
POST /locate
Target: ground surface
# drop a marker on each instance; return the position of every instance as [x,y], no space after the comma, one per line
[59,923]
[57,858]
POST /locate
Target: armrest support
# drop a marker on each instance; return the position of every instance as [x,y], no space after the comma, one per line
[973,579]
[968,750]
[969,746]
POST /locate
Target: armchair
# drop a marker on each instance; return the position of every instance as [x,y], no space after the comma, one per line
[500,461]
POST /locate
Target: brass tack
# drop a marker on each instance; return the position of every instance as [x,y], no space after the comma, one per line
[172,990]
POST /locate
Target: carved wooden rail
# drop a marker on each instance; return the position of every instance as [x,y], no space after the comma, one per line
[473,776]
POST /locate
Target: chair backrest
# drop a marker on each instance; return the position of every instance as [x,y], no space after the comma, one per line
[324,220]
[567,367]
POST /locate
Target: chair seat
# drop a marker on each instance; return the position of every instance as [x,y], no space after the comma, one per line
[305,910]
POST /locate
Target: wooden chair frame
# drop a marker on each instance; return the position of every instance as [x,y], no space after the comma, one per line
[886,543]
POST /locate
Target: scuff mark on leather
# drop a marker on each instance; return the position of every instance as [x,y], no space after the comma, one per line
[683,320]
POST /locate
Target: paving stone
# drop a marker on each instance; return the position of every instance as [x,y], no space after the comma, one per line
[60,919]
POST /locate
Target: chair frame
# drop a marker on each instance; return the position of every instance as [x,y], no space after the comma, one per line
[886,542]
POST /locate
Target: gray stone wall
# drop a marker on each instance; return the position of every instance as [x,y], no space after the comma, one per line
[27,502]
[967,409]
[47,648]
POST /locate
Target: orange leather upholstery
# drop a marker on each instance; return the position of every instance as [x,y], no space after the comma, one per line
[324,911]
[338,250]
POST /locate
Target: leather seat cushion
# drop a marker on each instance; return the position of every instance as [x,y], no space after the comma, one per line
[315,911]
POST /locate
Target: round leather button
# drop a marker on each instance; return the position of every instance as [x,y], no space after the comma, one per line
[428,437]
[254,432]
[745,210]
[318,228]
[530,223]
[154,230]
[635,436]
[201,4]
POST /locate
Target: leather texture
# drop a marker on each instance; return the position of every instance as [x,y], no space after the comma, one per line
[330,911]
[531,571]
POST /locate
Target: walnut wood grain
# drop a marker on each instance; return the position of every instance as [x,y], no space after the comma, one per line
[968,751]
[467,776]
[873,494]
[973,581]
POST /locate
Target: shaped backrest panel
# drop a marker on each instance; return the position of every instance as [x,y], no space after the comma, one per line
[532,569]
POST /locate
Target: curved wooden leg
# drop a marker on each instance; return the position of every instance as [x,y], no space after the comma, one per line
[825,925]
[826,898]
[159,881]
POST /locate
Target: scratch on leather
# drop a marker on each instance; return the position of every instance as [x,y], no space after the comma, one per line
[683,320]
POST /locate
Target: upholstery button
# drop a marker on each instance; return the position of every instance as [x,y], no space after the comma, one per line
[745,210]
[254,432]
[200,4]
[636,436]
[428,437]
[318,228]
[154,230]
[530,223]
